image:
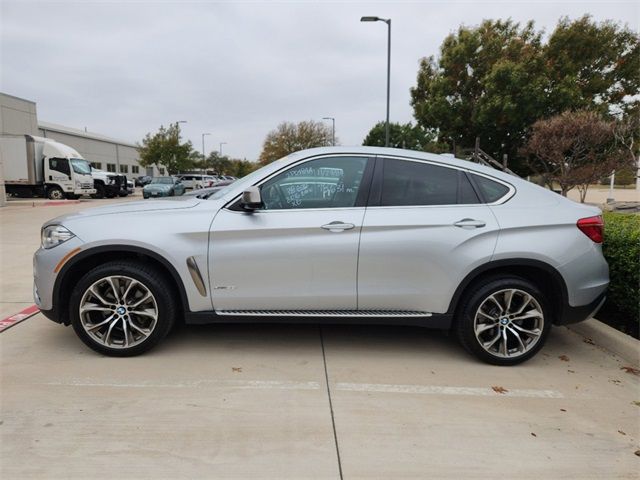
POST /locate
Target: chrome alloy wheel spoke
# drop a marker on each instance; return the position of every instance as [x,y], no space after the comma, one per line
[508,323]
[126,321]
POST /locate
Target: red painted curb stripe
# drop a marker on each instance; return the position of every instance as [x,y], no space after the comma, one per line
[16,318]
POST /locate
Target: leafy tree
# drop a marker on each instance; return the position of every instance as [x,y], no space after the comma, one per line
[225,165]
[575,149]
[495,80]
[412,137]
[164,148]
[291,137]
[593,65]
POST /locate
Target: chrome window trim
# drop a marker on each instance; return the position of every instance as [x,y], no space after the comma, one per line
[505,198]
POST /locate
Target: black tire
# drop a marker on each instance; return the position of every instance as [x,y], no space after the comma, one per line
[475,297]
[99,191]
[55,193]
[151,279]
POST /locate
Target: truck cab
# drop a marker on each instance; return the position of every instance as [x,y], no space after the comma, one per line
[41,166]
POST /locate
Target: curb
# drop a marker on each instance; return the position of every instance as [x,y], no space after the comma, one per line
[609,339]
[16,318]
[31,203]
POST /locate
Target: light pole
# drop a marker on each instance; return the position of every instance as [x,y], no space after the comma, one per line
[333,129]
[204,155]
[222,143]
[388,22]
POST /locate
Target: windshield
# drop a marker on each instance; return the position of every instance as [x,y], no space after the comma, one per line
[81,166]
[163,180]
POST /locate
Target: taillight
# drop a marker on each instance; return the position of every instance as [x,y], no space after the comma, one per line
[592,227]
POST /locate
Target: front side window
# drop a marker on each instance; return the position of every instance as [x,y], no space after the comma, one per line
[60,165]
[407,183]
[332,182]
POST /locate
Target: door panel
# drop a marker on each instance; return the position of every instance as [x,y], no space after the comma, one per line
[413,258]
[300,251]
[284,259]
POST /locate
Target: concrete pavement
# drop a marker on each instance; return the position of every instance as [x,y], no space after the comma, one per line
[247,401]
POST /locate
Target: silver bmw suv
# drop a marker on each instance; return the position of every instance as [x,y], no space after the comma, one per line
[341,235]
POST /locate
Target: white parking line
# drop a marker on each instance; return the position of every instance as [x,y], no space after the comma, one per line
[437,390]
[340,386]
[243,384]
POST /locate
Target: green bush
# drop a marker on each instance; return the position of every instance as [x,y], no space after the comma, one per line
[621,248]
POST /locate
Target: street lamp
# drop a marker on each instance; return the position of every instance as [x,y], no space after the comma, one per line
[222,143]
[333,129]
[204,155]
[388,22]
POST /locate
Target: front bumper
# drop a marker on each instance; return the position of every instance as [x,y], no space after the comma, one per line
[84,191]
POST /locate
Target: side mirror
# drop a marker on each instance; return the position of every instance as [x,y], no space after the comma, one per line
[251,199]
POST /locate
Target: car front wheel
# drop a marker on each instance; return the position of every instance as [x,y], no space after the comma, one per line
[504,321]
[122,308]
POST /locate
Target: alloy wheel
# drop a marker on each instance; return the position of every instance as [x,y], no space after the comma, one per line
[509,323]
[118,312]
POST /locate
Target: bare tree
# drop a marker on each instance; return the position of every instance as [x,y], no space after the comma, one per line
[574,149]
[291,137]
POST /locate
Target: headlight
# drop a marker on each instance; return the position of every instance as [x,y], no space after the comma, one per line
[54,235]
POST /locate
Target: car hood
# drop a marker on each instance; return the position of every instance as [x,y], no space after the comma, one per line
[175,203]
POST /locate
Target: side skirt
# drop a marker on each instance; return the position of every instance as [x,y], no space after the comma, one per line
[348,317]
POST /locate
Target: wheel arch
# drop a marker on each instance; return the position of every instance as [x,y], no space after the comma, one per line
[545,276]
[85,260]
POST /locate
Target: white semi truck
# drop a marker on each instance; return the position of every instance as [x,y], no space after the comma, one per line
[37,166]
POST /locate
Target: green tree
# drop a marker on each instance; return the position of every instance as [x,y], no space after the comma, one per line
[412,137]
[291,137]
[495,80]
[165,148]
[225,165]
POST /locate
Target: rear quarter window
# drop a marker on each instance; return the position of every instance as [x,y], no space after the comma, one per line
[491,191]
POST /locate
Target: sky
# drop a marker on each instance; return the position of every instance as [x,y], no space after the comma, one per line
[236,69]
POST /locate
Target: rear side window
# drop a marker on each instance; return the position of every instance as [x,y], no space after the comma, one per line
[490,190]
[416,183]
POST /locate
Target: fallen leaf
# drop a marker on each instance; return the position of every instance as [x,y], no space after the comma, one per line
[562,410]
[564,358]
[589,341]
[237,369]
[499,389]
[636,403]
[632,370]
[571,371]
[616,381]
[533,434]
[637,452]
[621,432]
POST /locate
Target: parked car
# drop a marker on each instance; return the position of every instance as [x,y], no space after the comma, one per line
[131,189]
[163,187]
[194,181]
[143,180]
[334,234]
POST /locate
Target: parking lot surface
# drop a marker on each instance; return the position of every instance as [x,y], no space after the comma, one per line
[298,401]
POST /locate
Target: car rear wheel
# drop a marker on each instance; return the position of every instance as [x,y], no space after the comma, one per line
[122,308]
[504,321]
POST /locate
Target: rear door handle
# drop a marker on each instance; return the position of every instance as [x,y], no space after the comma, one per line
[469,223]
[338,226]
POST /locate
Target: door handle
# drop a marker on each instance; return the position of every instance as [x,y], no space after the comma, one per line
[338,226]
[469,223]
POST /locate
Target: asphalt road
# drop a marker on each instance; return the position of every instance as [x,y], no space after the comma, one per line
[269,401]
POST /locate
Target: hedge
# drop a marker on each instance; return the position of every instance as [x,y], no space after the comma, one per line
[621,248]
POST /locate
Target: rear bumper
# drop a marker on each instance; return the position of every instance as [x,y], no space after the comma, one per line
[583,312]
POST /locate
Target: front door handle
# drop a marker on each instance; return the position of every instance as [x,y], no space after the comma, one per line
[338,226]
[469,223]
